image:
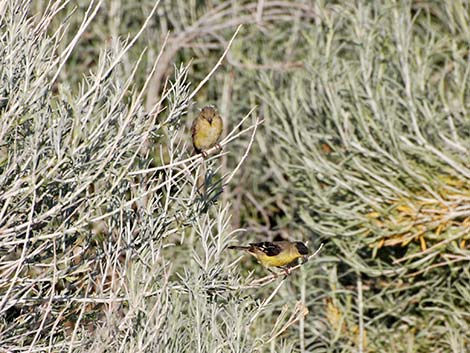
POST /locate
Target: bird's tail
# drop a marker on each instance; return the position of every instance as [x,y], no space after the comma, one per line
[235,247]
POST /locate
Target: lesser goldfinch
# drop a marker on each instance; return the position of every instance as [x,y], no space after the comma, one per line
[206,129]
[276,253]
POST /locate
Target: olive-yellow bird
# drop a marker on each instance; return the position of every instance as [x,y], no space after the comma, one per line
[276,253]
[206,129]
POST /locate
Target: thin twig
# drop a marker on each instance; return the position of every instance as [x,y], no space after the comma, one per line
[216,66]
[245,155]
[266,302]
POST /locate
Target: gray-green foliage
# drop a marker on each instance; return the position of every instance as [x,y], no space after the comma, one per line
[66,193]
[374,147]
[96,204]
[104,247]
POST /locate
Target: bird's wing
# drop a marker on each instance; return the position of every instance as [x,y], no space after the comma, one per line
[194,127]
[194,131]
[270,249]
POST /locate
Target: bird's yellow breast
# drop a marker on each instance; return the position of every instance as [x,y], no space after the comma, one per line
[207,134]
[282,259]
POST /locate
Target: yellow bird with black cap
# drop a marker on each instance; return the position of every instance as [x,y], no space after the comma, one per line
[276,253]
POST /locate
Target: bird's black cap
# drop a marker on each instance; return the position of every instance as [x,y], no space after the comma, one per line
[303,250]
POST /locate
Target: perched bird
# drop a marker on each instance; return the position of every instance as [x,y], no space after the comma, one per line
[206,129]
[276,253]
